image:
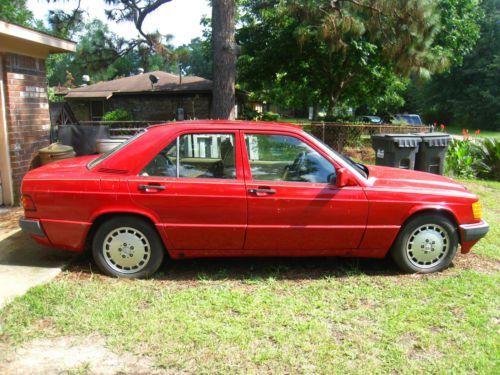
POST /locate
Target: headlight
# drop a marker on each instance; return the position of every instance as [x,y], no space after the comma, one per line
[476,210]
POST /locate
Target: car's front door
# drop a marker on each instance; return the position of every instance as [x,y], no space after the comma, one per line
[195,186]
[294,206]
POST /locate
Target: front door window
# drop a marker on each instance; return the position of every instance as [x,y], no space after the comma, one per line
[285,158]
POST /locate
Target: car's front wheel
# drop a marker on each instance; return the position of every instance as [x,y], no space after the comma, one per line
[129,247]
[427,243]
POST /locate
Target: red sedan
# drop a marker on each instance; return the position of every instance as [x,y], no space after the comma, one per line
[222,188]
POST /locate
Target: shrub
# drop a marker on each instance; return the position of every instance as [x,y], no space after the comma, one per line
[269,116]
[249,114]
[470,159]
[490,159]
[461,157]
[117,115]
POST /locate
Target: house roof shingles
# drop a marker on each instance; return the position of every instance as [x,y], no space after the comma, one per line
[167,83]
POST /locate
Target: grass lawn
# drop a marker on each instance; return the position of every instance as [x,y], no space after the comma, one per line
[283,315]
[483,134]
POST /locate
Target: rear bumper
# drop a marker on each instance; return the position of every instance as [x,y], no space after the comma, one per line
[32,227]
[474,232]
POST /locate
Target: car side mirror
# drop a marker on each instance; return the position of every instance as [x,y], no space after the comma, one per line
[332,178]
[344,178]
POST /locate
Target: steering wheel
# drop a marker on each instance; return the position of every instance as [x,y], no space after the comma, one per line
[296,166]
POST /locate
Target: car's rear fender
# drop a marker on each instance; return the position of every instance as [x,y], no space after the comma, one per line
[99,217]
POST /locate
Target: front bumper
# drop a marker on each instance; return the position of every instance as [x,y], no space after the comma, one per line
[33,227]
[474,232]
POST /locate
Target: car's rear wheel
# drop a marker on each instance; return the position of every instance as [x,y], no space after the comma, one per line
[427,243]
[129,247]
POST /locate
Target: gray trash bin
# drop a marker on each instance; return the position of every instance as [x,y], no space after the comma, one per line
[432,152]
[396,150]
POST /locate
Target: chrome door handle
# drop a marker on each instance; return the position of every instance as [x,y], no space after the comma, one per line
[261,191]
[147,187]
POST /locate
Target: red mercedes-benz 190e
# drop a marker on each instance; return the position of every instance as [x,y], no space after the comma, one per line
[231,188]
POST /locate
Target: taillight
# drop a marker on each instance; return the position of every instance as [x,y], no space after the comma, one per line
[28,203]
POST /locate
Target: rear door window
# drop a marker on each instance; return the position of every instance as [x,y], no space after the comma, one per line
[196,155]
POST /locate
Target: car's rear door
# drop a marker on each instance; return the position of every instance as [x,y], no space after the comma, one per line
[292,207]
[195,187]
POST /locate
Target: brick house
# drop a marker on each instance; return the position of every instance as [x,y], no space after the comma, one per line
[24,107]
[145,100]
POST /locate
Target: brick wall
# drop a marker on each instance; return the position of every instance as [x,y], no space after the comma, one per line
[161,107]
[148,107]
[28,120]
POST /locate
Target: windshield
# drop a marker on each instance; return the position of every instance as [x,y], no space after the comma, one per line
[360,168]
[106,155]
[410,119]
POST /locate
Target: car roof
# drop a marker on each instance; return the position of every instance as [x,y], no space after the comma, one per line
[228,124]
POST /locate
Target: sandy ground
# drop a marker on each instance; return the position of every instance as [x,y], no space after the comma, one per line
[73,355]
[23,262]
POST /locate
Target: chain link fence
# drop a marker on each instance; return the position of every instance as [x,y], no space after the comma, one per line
[351,139]
[122,128]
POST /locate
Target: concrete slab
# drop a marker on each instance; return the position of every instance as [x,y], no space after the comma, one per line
[25,264]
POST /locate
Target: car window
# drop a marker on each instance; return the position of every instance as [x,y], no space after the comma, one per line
[195,155]
[286,158]
[106,155]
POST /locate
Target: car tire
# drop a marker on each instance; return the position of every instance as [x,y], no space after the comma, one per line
[426,243]
[127,247]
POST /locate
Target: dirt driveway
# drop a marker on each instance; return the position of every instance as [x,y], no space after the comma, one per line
[24,263]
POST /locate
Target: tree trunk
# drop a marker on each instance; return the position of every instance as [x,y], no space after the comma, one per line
[224,59]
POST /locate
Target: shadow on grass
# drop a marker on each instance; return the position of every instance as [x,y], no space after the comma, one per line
[256,268]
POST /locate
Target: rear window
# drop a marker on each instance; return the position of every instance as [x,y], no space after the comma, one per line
[106,155]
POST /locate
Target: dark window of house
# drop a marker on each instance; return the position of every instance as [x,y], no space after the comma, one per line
[96,110]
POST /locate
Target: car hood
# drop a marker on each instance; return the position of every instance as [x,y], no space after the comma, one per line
[385,177]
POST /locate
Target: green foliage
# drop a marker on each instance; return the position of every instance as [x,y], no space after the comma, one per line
[269,116]
[489,152]
[117,115]
[471,159]
[357,53]
[460,27]
[462,158]
[52,95]
[250,114]
[15,11]
[197,58]
[468,95]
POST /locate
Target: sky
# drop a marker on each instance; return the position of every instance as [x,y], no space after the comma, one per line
[181,18]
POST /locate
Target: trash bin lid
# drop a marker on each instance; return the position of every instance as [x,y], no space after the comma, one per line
[56,148]
[401,140]
[435,139]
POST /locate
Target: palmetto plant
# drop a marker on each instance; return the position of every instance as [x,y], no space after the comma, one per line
[489,152]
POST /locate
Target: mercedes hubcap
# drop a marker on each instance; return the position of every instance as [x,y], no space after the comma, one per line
[126,250]
[427,246]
